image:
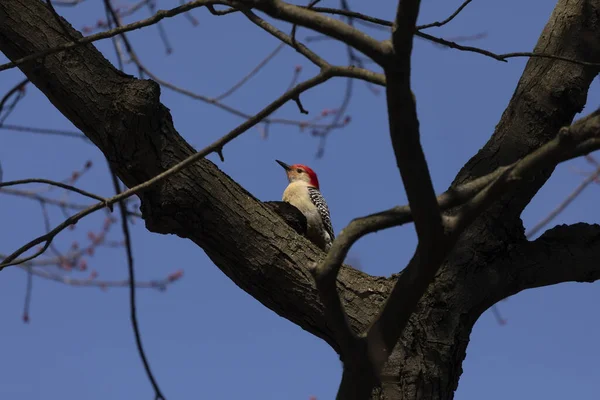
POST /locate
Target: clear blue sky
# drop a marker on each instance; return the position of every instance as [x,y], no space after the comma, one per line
[206,338]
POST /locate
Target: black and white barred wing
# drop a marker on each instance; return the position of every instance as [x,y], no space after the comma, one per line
[317,198]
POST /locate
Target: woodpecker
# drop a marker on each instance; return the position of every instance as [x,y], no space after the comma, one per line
[303,193]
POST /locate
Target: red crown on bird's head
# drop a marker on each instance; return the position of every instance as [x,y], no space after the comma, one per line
[314,181]
[297,171]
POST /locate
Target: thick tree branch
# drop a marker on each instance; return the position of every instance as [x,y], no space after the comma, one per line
[125,119]
[565,253]
[453,45]
[432,245]
[320,23]
[566,144]
[413,282]
[361,370]
[292,42]
[549,94]
[404,130]
[216,146]
[415,278]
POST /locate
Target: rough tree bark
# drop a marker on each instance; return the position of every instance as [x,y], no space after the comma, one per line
[124,118]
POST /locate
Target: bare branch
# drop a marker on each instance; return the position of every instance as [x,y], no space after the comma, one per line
[400,215]
[501,57]
[18,87]
[450,18]
[311,4]
[326,74]
[54,183]
[299,47]
[69,3]
[44,131]
[358,378]
[28,292]
[161,30]
[413,281]
[132,303]
[566,143]
[334,28]
[478,194]
[160,284]
[161,14]
[250,74]
[350,72]
[322,24]
[353,14]
[404,131]
[448,43]
[565,203]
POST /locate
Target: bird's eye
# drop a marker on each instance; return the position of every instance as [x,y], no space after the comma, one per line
[299,171]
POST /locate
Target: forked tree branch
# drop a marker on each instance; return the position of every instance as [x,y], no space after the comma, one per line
[504,57]
[278,9]
[325,25]
[152,147]
[362,367]
[327,72]
[216,146]
[570,142]
[217,201]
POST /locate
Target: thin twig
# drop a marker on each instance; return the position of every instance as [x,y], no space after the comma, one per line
[350,72]
[450,18]
[44,131]
[92,282]
[54,183]
[304,17]
[341,110]
[189,16]
[161,14]
[69,3]
[18,87]
[545,221]
[49,200]
[311,4]
[115,40]
[132,303]
[117,20]
[352,14]
[504,57]
[28,293]
[250,74]
[500,57]
[161,29]
[299,47]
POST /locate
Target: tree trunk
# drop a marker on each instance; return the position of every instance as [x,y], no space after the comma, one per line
[123,116]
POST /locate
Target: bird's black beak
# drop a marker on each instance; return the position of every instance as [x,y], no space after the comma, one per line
[284,165]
